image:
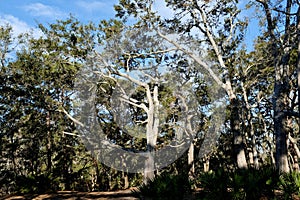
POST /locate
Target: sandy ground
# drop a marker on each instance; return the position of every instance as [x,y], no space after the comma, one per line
[71,195]
[114,195]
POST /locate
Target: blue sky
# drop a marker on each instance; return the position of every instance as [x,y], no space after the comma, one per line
[24,15]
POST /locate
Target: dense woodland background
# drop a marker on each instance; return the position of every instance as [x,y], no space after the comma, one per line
[202,43]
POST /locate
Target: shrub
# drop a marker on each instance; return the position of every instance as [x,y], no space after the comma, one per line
[254,183]
[32,184]
[165,186]
[289,183]
[240,184]
[215,184]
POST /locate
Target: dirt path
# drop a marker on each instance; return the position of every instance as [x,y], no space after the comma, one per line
[71,195]
[114,195]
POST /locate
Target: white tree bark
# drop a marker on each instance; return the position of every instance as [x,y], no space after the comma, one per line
[227,86]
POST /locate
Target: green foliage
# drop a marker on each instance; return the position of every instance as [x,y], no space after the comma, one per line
[110,29]
[215,184]
[165,186]
[254,183]
[39,150]
[241,184]
[36,154]
[34,184]
[289,183]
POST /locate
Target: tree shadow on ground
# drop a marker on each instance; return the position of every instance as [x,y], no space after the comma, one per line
[115,195]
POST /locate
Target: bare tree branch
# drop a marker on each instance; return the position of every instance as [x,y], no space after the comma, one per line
[133,102]
[72,134]
[70,117]
[194,57]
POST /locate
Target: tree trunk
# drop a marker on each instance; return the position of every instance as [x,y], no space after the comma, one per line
[191,160]
[206,164]
[239,146]
[125,178]
[149,167]
[49,143]
[95,181]
[296,164]
[207,30]
[281,87]
[280,105]
[296,153]
[151,133]
[253,155]
[281,142]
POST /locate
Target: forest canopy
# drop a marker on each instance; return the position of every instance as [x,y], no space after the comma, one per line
[98,107]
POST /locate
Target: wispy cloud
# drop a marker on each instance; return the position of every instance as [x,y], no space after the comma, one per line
[91,6]
[18,26]
[42,10]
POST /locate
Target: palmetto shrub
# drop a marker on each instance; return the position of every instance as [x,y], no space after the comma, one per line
[254,183]
[165,186]
[215,184]
[289,183]
[240,184]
